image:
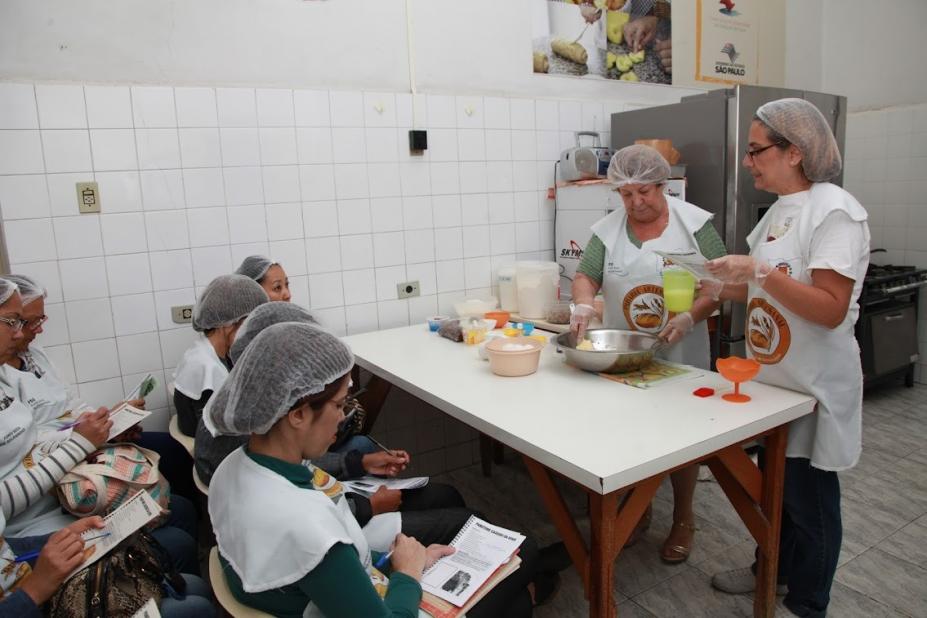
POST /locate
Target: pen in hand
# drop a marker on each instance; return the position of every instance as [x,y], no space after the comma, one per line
[384,560]
[381,447]
[32,555]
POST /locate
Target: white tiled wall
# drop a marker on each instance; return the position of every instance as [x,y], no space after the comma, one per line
[886,169]
[194,179]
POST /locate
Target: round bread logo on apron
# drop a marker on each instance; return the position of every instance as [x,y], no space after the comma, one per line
[768,333]
[644,308]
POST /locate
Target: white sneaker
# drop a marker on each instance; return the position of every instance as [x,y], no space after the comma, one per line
[740,581]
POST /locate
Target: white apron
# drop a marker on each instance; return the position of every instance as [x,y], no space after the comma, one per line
[39,385]
[199,370]
[273,533]
[632,279]
[18,435]
[803,356]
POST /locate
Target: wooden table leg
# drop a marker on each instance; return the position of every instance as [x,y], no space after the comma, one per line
[610,528]
[764,602]
[561,517]
[757,497]
[603,512]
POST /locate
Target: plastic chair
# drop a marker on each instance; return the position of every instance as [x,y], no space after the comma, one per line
[203,487]
[220,588]
[185,440]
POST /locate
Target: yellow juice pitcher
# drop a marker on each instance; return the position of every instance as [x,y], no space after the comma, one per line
[678,289]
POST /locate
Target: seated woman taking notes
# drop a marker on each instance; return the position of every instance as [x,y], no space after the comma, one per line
[288,542]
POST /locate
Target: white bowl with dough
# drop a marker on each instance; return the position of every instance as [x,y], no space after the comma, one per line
[514,356]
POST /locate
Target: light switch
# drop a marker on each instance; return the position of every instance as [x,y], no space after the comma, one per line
[88,197]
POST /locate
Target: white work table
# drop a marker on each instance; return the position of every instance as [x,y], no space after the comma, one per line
[603,435]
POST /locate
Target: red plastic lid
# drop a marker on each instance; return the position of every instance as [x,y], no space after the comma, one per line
[703,392]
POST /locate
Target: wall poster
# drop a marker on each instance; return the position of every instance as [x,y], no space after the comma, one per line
[627,40]
[726,41]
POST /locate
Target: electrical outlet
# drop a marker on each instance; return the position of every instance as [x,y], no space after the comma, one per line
[408,289]
[182,314]
[88,197]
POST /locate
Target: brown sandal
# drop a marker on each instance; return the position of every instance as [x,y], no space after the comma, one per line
[674,554]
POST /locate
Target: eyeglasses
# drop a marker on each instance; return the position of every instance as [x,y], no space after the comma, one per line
[752,153]
[35,323]
[15,323]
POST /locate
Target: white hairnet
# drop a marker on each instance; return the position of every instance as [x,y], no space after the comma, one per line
[29,288]
[7,289]
[284,363]
[266,315]
[227,299]
[638,165]
[255,267]
[803,124]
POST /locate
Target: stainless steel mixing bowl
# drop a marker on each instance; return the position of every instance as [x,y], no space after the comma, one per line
[625,350]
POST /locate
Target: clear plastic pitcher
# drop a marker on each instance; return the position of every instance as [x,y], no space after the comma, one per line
[678,290]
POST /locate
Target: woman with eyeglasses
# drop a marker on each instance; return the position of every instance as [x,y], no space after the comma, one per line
[620,260]
[32,374]
[808,257]
[31,465]
[30,516]
[29,369]
[30,509]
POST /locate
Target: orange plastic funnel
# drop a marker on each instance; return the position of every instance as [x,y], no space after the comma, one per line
[737,370]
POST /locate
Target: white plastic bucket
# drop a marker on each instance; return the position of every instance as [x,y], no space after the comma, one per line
[537,284]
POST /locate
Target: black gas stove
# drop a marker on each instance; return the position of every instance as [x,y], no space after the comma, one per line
[887,324]
[883,283]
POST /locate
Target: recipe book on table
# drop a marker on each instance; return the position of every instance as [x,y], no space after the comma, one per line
[484,557]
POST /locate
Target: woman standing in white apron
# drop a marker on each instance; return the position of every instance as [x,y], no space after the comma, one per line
[808,257]
[619,259]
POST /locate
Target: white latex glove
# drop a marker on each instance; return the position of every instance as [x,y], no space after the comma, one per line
[677,328]
[710,288]
[580,316]
[739,269]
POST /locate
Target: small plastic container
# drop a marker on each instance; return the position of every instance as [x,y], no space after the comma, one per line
[559,312]
[501,317]
[475,331]
[526,328]
[513,357]
[434,323]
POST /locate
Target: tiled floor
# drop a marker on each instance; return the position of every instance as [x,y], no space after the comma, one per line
[883,564]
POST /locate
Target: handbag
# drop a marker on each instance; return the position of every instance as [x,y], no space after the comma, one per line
[120,583]
[353,424]
[112,475]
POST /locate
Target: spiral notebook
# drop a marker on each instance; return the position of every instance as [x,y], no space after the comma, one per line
[482,549]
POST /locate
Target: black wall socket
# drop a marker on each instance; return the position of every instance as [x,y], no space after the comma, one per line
[418,140]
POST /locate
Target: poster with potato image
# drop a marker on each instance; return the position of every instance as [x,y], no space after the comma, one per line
[627,40]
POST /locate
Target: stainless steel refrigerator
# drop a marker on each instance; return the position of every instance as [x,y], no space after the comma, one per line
[710,131]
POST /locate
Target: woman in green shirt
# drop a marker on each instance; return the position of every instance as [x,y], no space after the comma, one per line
[621,260]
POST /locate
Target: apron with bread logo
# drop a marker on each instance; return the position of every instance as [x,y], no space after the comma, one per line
[800,355]
[632,278]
